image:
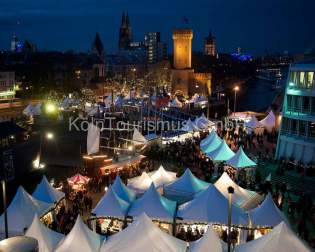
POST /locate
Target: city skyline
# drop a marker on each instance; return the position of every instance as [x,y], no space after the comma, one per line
[255,27]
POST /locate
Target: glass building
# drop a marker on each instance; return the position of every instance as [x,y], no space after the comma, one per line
[297,134]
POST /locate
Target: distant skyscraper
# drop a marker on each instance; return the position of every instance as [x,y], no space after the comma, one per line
[125,32]
[14,43]
[210,47]
[97,47]
[154,47]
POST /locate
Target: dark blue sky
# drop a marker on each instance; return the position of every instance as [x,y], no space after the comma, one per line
[254,25]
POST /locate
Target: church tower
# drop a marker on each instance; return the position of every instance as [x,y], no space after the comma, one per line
[210,47]
[182,48]
[125,32]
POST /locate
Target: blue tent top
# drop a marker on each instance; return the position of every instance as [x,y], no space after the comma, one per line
[222,153]
[213,144]
[240,160]
[123,191]
[208,139]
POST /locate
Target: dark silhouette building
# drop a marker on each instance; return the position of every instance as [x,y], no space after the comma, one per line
[125,32]
[98,48]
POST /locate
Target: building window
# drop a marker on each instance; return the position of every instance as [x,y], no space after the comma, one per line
[302,79]
[294,127]
[310,80]
[289,102]
[306,104]
[302,128]
[311,129]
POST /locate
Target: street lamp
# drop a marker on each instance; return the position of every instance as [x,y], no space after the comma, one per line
[236,89]
[37,162]
[230,192]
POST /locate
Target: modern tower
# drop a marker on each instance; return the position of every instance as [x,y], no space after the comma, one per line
[125,32]
[210,46]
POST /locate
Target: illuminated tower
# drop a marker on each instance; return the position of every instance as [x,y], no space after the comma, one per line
[182,48]
[210,47]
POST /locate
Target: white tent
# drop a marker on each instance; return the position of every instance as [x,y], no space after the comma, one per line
[21,212]
[175,103]
[267,214]
[141,183]
[154,205]
[29,110]
[93,139]
[204,142]
[162,177]
[269,122]
[221,153]
[80,238]
[123,191]
[240,160]
[202,122]
[210,206]
[111,205]
[186,186]
[212,144]
[47,238]
[202,245]
[138,138]
[279,239]
[189,126]
[254,125]
[47,193]
[143,236]
[241,197]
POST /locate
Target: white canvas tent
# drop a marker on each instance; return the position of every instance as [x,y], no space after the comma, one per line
[21,211]
[138,138]
[279,239]
[221,153]
[189,126]
[80,238]
[143,236]
[267,214]
[93,139]
[47,193]
[154,205]
[240,160]
[111,205]
[141,183]
[47,238]
[242,197]
[210,238]
[253,125]
[162,177]
[212,144]
[269,122]
[123,191]
[210,206]
[187,186]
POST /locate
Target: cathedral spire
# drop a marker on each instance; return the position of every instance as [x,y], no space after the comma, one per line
[123,19]
[127,20]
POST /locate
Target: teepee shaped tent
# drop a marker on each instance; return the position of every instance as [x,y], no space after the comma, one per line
[162,177]
[143,236]
[204,142]
[154,205]
[269,122]
[141,183]
[80,238]
[111,205]
[123,191]
[93,139]
[213,144]
[240,160]
[222,153]
[138,138]
[189,126]
[47,238]
[45,192]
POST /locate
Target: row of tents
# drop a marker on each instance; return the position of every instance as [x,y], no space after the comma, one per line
[200,123]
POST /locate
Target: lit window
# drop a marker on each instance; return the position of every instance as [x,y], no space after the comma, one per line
[310,80]
[302,79]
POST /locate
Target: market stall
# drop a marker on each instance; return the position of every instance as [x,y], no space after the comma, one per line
[162,177]
[123,191]
[221,153]
[78,182]
[141,183]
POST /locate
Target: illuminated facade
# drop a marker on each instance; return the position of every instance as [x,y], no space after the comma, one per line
[297,134]
[210,47]
[7,85]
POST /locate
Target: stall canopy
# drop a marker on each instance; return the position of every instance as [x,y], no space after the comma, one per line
[222,153]
[47,238]
[280,239]
[93,139]
[123,191]
[210,206]
[143,236]
[186,186]
[78,179]
[189,126]
[175,103]
[204,142]
[202,245]
[141,183]
[254,125]
[47,193]
[240,160]
[267,214]
[21,212]
[213,144]
[162,177]
[241,197]
[202,122]
[269,122]
[111,205]
[80,238]
[154,205]
[138,138]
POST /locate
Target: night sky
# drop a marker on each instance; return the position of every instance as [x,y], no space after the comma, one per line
[256,26]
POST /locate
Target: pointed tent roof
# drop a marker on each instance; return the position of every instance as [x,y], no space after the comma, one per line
[111,205]
[222,153]
[253,123]
[47,238]
[138,138]
[78,179]
[268,178]
[279,239]
[21,211]
[47,193]
[123,191]
[202,245]
[240,160]
[189,126]
[187,184]
[154,205]
[269,121]
[208,206]
[141,183]
[267,214]
[162,177]
[93,139]
[80,238]
[240,197]
[208,139]
[203,122]
[214,143]
[143,236]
